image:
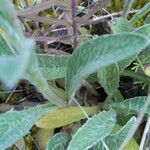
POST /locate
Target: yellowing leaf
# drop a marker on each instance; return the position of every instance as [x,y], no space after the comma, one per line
[65,116]
[42,136]
[132,145]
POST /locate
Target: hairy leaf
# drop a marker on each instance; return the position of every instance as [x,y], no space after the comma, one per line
[15,124]
[34,75]
[22,66]
[131,105]
[98,53]
[120,25]
[101,124]
[114,140]
[109,76]
[65,116]
[4,49]
[58,142]
[26,68]
[53,66]
[13,67]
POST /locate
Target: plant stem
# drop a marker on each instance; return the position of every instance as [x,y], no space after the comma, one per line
[74,24]
[95,7]
[118,96]
[101,18]
[47,20]
[39,7]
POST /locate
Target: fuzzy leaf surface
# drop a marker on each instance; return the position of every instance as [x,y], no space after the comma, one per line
[114,140]
[98,53]
[58,141]
[120,25]
[132,105]
[53,66]
[109,76]
[101,124]
[16,124]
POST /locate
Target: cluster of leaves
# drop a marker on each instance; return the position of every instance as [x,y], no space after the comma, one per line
[107,56]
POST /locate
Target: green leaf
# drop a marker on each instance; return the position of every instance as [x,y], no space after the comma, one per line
[109,76]
[114,141]
[4,49]
[53,66]
[120,25]
[32,72]
[34,75]
[26,68]
[13,67]
[143,11]
[64,116]
[58,142]
[22,66]
[131,105]
[15,124]
[98,53]
[95,129]
[145,30]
